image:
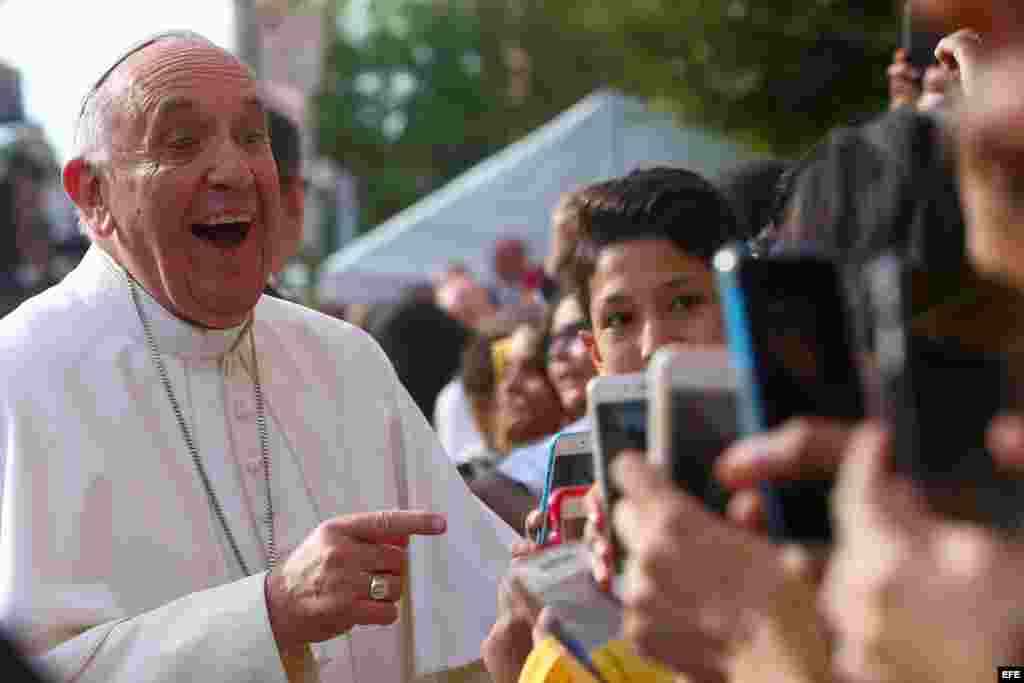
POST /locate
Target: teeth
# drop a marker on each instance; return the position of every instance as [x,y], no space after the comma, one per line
[222,219]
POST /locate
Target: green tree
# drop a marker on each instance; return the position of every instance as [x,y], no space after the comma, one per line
[775,74]
[437,85]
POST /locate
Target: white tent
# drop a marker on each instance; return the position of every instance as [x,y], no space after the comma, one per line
[513,192]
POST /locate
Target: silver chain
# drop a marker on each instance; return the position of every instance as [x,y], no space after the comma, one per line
[261,425]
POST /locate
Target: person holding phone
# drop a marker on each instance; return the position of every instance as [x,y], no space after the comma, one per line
[657,522]
[644,280]
[932,584]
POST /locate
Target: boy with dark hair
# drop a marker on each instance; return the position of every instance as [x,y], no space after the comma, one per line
[643,264]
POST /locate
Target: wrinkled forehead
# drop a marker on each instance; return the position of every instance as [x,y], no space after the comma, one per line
[175,69]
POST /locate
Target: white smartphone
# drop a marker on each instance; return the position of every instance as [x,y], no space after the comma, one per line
[693,417]
[618,414]
[571,464]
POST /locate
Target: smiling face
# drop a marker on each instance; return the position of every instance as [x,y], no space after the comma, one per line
[569,364]
[189,201]
[644,294]
[528,407]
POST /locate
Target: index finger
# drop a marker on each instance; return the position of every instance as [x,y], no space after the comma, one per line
[390,526]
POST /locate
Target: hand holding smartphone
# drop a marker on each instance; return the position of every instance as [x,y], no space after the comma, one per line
[570,467]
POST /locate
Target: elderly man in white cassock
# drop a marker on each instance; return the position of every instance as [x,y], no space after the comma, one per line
[200,482]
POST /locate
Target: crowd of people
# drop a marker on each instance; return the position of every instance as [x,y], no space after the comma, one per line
[199,479]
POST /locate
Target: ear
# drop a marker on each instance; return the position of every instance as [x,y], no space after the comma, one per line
[83,185]
[590,341]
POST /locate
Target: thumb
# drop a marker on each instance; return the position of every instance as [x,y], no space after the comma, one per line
[1005,440]
[868,483]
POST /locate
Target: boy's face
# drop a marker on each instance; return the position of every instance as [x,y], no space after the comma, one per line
[644,294]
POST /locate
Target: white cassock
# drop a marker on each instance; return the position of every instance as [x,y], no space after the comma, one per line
[105,521]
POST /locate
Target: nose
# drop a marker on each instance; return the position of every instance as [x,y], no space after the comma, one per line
[230,168]
[655,334]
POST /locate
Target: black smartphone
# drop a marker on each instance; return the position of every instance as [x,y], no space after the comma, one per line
[618,413]
[788,330]
[692,418]
[919,40]
[947,344]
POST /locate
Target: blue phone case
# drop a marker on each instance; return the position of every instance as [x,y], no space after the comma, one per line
[750,407]
[542,535]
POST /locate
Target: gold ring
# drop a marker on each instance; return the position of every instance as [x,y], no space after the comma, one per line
[378,588]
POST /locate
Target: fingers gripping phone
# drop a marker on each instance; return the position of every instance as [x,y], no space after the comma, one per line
[618,412]
[949,346]
[693,418]
[791,344]
[570,467]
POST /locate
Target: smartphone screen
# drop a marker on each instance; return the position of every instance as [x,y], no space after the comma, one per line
[622,425]
[572,469]
[803,357]
[703,425]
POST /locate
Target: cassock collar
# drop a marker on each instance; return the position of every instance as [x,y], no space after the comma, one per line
[172,334]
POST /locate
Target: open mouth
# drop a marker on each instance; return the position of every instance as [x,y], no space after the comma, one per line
[224,235]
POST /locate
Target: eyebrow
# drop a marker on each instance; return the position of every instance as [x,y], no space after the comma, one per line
[619,298]
[173,105]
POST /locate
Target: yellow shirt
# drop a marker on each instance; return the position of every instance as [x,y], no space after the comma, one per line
[549,662]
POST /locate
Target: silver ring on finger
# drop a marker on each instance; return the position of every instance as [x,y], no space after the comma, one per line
[379,587]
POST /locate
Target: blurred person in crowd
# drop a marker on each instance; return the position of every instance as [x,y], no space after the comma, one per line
[463,298]
[751,188]
[569,365]
[904,579]
[510,263]
[284,467]
[286,145]
[459,295]
[521,475]
[26,174]
[409,331]
[644,280]
[525,409]
[883,186]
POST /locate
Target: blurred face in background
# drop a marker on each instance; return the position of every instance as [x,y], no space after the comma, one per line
[510,262]
[527,405]
[569,364]
[644,294]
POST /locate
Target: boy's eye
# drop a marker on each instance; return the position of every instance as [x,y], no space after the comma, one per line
[181,142]
[255,137]
[615,319]
[685,302]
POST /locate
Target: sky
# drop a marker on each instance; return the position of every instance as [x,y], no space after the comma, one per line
[62,46]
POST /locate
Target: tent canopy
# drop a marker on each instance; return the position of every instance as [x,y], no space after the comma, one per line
[513,192]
